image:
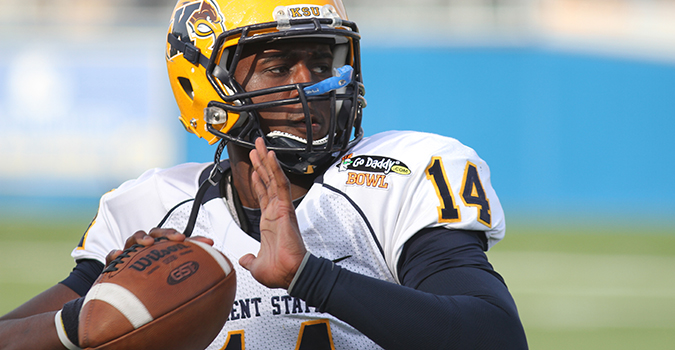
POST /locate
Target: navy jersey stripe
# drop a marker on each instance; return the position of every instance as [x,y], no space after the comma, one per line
[161,223]
[363,216]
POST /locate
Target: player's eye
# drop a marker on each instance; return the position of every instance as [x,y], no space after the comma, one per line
[321,69]
[278,70]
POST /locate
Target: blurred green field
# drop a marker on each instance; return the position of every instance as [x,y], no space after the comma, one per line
[576,287]
[36,255]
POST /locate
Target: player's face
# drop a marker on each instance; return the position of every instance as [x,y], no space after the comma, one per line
[283,64]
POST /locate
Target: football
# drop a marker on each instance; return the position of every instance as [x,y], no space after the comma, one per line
[171,295]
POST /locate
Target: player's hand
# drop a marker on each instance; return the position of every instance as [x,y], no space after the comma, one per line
[147,239]
[281,246]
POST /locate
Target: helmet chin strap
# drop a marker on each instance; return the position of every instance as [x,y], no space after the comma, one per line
[213,180]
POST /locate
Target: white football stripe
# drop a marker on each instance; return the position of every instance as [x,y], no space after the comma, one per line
[216,255]
[61,332]
[122,300]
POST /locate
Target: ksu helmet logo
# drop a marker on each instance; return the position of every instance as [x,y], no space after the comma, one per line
[300,11]
[197,22]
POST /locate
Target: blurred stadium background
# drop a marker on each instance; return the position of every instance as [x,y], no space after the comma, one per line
[571,102]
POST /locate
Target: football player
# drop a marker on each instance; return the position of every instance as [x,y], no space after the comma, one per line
[343,241]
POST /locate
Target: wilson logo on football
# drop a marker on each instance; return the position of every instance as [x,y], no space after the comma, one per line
[154,255]
[181,273]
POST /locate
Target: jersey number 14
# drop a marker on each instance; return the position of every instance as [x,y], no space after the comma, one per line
[472,193]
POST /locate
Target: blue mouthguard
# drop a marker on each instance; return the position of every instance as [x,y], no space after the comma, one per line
[341,77]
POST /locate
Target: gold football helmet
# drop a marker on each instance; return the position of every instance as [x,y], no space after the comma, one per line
[204,45]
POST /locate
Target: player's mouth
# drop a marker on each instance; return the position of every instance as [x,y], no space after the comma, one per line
[302,127]
[291,119]
[300,124]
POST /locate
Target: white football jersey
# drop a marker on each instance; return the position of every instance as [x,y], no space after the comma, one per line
[365,207]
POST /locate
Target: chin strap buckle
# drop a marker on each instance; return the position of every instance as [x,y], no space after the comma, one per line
[217,171]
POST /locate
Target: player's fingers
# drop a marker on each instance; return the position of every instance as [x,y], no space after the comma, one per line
[169,233]
[139,237]
[267,166]
[278,179]
[258,167]
[112,256]
[258,160]
[260,146]
[246,261]
[202,239]
[260,190]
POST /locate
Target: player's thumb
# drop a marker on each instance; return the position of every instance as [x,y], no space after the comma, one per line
[247,261]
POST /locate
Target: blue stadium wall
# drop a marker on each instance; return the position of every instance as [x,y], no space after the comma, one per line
[568,136]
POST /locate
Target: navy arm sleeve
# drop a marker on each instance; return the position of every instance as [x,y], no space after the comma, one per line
[83,276]
[451,298]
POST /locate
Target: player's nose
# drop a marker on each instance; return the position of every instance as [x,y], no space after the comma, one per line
[302,74]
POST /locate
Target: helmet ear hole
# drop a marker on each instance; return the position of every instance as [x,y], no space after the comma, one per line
[187,87]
